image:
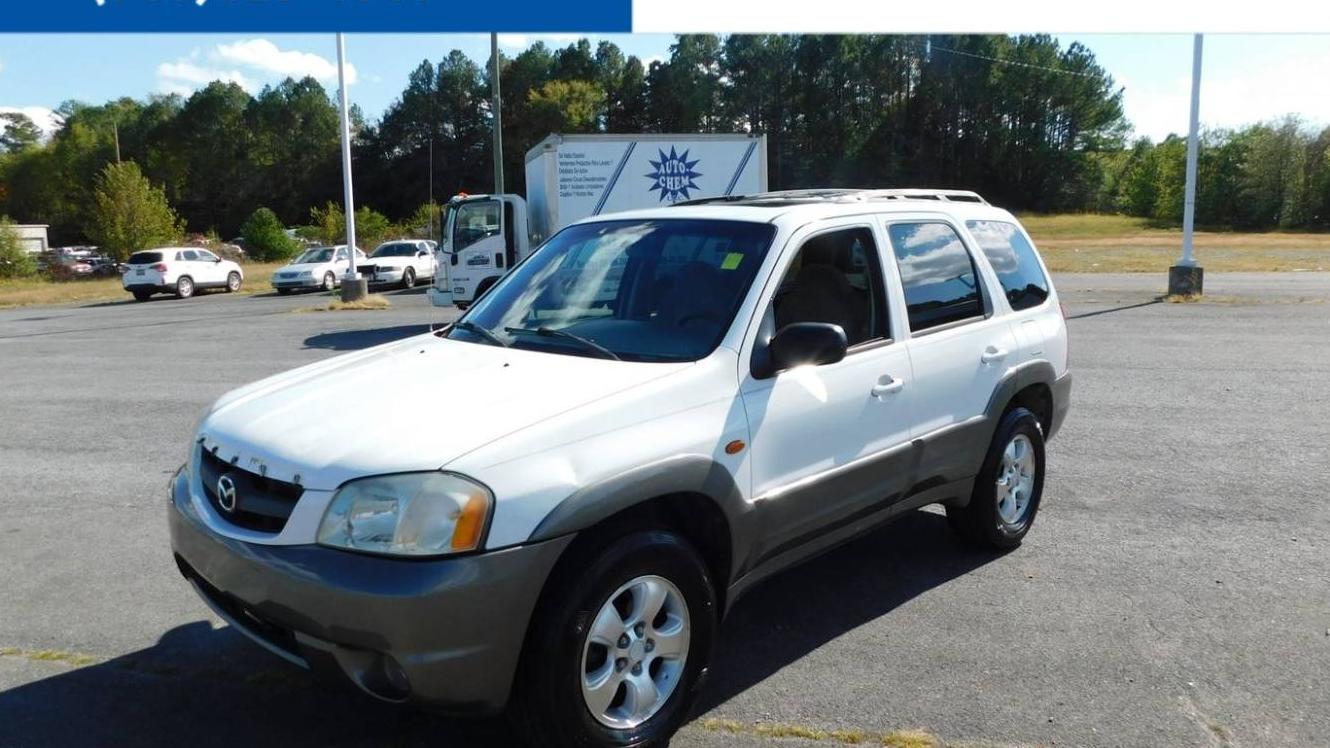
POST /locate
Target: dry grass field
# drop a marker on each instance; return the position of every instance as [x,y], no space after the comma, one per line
[41,290]
[1121,244]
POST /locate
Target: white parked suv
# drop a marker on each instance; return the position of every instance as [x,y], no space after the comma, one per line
[649,415]
[315,268]
[180,271]
[400,262]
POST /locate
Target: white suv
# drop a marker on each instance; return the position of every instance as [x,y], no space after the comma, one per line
[178,270]
[652,413]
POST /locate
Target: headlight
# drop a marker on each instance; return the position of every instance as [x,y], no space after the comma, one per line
[408,514]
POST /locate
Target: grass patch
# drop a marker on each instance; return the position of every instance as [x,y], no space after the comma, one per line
[894,739]
[1183,298]
[16,292]
[372,302]
[73,659]
[1088,243]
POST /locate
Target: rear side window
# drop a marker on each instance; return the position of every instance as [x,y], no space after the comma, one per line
[937,273]
[145,258]
[188,255]
[1014,261]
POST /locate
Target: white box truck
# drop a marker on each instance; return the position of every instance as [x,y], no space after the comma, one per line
[571,177]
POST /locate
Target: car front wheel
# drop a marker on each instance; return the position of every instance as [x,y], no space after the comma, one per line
[1009,485]
[232,282]
[618,646]
[409,278]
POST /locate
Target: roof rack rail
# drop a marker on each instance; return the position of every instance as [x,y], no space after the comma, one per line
[840,194]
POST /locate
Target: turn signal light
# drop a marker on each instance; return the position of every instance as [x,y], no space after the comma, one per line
[471,523]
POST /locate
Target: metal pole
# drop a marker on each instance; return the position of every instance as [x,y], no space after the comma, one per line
[497,107]
[1189,200]
[349,207]
[430,230]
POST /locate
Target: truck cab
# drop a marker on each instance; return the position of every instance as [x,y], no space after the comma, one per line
[483,237]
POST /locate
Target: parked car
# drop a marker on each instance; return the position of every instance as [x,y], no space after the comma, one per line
[400,263]
[180,271]
[605,466]
[70,269]
[316,268]
[103,266]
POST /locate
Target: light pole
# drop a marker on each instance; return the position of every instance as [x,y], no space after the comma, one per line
[1186,277]
[497,106]
[353,286]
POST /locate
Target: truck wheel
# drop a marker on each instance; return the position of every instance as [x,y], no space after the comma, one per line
[329,282]
[618,646]
[232,282]
[184,287]
[409,278]
[1009,485]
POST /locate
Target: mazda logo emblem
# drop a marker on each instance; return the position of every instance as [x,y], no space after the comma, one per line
[226,494]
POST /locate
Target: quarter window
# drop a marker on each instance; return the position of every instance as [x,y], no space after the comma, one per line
[835,278]
[1014,261]
[937,273]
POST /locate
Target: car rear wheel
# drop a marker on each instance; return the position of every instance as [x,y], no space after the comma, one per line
[232,282]
[142,295]
[184,287]
[409,278]
[329,282]
[618,646]
[1009,485]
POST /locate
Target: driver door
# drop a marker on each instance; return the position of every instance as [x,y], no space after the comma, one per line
[479,245]
[830,444]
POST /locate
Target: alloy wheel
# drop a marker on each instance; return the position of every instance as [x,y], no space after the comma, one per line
[1015,480]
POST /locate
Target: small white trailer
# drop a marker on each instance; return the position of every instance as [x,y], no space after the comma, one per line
[571,177]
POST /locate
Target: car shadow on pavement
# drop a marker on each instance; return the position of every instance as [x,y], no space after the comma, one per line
[354,340]
[794,613]
[200,686]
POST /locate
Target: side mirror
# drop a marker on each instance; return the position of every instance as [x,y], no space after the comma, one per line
[217,260]
[804,344]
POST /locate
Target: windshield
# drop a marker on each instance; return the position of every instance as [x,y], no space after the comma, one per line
[395,250]
[316,255]
[658,290]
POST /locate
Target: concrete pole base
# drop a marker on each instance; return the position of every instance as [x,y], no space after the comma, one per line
[354,290]
[1185,280]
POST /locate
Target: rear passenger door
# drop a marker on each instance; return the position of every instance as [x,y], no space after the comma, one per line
[830,443]
[960,344]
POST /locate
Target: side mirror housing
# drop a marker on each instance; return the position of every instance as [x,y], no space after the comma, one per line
[803,344]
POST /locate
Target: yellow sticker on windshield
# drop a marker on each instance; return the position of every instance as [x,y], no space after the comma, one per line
[732,261]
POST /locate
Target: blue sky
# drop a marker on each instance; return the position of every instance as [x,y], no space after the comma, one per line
[1248,78]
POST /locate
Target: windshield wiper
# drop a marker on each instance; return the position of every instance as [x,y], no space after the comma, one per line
[483,332]
[548,332]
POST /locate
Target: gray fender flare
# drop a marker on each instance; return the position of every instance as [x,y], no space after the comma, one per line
[695,474]
[1020,377]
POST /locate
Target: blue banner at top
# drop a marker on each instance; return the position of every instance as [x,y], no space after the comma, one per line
[317,15]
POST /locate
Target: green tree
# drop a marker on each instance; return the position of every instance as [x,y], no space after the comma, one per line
[372,228]
[265,238]
[567,106]
[15,262]
[327,225]
[18,132]
[129,213]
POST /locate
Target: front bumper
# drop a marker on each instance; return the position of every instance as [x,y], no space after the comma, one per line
[455,626]
[310,282]
[440,298]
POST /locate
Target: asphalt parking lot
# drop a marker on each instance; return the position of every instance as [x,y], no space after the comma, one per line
[1175,590]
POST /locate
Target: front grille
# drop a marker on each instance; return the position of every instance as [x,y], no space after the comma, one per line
[262,504]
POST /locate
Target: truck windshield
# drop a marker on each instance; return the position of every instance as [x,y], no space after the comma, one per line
[658,290]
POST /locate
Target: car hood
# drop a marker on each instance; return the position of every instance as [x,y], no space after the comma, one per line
[313,267]
[393,261]
[416,404]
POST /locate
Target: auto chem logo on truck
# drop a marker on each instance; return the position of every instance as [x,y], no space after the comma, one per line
[673,175]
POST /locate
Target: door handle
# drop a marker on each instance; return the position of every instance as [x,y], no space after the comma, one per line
[992,353]
[890,387]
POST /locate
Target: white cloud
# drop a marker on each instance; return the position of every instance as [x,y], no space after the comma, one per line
[45,119]
[264,56]
[250,63]
[522,41]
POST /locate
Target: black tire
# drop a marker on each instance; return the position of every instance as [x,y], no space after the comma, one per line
[409,278]
[232,282]
[980,522]
[142,295]
[283,291]
[184,287]
[548,705]
[329,282]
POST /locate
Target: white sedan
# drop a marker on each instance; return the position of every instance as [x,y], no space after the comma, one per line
[315,268]
[400,263]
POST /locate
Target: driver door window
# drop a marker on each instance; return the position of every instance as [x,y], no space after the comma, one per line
[836,278]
